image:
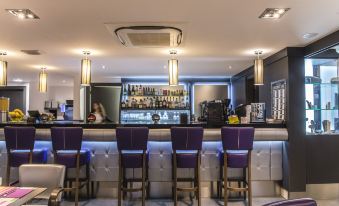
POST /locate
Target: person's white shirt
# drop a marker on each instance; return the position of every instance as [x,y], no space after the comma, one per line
[98,118]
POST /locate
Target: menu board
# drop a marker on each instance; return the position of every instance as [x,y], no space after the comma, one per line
[258,112]
[278,94]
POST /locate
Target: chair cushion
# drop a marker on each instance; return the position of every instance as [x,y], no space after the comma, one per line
[19,157]
[187,159]
[68,158]
[133,159]
[235,159]
[296,202]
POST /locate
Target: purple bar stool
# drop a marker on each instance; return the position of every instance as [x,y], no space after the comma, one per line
[296,202]
[132,146]
[20,145]
[237,145]
[66,142]
[186,146]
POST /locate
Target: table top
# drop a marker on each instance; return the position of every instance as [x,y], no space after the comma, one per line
[20,201]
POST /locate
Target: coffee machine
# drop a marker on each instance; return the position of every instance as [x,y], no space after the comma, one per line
[218,111]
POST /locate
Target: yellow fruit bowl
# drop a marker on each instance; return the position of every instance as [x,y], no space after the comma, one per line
[16,115]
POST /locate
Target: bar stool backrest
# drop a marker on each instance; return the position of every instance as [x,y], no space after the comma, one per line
[187,138]
[237,138]
[66,138]
[132,138]
[19,138]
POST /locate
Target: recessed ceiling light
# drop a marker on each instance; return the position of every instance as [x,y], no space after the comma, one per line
[17,80]
[309,35]
[229,67]
[273,13]
[23,13]
[103,67]
[63,81]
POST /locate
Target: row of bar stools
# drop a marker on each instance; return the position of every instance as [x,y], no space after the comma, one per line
[20,149]
[237,145]
[132,146]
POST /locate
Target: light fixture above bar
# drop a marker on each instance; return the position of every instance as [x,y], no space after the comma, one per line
[43,80]
[273,13]
[258,69]
[3,70]
[86,69]
[23,13]
[173,67]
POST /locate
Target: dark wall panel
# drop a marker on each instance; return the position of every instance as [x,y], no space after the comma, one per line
[17,95]
[239,91]
[296,124]
[273,72]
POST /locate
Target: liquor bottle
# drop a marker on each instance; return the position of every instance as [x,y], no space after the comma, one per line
[139,90]
[164,103]
[143,91]
[132,92]
[140,104]
[129,90]
[151,103]
[123,104]
[125,90]
[156,103]
[182,103]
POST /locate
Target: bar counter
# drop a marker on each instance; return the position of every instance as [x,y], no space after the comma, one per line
[100,140]
[158,132]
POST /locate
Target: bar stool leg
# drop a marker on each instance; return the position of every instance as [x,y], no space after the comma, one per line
[8,170]
[88,180]
[198,179]
[175,178]
[77,179]
[143,178]
[225,179]
[148,191]
[219,183]
[249,180]
[244,182]
[124,183]
[119,181]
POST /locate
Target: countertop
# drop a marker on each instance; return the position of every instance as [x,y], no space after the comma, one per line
[151,126]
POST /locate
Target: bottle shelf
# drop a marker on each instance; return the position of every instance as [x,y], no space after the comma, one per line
[126,95]
[171,109]
[322,109]
[334,84]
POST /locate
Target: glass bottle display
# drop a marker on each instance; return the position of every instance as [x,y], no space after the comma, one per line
[140,101]
[322,96]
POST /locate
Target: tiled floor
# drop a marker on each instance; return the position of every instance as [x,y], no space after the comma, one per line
[205,202]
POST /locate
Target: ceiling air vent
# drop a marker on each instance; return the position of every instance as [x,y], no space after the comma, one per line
[31,52]
[149,36]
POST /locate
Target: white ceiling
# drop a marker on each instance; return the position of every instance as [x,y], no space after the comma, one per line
[218,34]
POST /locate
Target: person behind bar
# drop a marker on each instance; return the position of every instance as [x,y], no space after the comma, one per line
[99,111]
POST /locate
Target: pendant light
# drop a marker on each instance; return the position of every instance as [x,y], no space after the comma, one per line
[43,80]
[3,70]
[258,69]
[173,67]
[86,70]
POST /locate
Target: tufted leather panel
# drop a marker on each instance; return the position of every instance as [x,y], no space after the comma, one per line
[261,134]
[266,161]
